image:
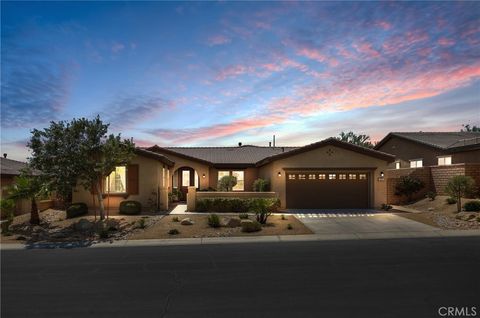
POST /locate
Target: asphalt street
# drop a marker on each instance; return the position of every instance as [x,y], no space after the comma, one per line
[358,278]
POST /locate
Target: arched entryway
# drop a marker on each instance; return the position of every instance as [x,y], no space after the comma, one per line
[183,178]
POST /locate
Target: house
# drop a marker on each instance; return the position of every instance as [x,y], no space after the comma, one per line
[325,174]
[432,157]
[10,169]
[418,149]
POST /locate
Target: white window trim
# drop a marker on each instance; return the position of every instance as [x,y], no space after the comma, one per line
[444,162]
[416,163]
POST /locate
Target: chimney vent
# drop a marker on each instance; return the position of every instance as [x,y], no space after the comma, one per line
[5,155]
[269,143]
[239,144]
[273,141]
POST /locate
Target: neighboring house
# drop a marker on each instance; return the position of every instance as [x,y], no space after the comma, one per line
[10,169]
[326,174]
[433,157]
[418,149]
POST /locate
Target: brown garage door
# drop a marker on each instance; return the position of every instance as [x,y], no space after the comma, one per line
[327,190]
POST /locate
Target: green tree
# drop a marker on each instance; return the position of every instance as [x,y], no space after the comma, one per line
[356,139]
[30,187]
[263,208]
[460,186]
[408,186]
[468,128]
[100,154]
[226,183]
[261,185]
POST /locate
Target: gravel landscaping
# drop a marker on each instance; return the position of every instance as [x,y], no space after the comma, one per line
[200,227]
[439,213]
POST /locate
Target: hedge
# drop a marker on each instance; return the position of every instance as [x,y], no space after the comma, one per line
[130,207]
[77,209]
[228,204]
[472,206]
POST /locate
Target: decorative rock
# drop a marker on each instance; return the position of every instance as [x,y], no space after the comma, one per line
[187,221]
[430,209]
[83,225]
[112,225]
[231,222]
[250,226]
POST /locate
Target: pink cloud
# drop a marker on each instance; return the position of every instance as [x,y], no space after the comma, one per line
[383,25]
[233,71]
[316,55]
[117,47]
[218,40]
[446,42]
[366,49]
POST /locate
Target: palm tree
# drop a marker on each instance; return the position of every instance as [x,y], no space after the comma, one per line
[28,186]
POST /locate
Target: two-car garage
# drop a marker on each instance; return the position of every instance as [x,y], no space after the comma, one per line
[330,174]
[327,189]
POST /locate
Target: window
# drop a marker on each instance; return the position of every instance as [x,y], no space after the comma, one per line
[332,176]
[291,177]
[116,182]
[397,164]
[311,177]
[240,186]
[417,163]
[342,176]
[352,176]
[362,176]
[301,177]
[445,160]
[321,176]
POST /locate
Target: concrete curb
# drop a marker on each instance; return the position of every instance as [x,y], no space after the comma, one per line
[269,239]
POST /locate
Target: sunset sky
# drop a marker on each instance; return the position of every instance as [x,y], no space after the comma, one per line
[217,73]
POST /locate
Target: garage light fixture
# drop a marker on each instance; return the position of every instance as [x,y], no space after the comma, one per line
[382,174]
[279,174]
[203,175]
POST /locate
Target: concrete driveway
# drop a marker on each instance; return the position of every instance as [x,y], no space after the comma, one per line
[360,223]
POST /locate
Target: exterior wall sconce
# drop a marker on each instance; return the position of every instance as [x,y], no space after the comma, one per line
[279,174]
[203,175]
[382,174]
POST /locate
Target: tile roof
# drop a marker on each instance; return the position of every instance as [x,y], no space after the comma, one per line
[246,154]
[442,140]
[11,167]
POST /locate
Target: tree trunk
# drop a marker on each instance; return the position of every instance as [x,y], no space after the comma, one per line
[459,204]
[34,217]
[100,200]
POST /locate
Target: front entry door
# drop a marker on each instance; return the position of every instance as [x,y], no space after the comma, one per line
[186,178]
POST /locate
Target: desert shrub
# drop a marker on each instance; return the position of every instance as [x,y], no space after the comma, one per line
[451,200]
[386,207]
[243,216]
[7,207]
[283,217]
[472,206]
[249,226]
[77,209]
[175,219]
[460,186]
[261,185]
[238,205]
[141,223]
[263,208]
[130,207]
[408,186]
[289,227]
[213,220]
[173,232]
[431,195]
[226,183]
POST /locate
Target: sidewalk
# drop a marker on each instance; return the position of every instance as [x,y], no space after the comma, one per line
[265,239]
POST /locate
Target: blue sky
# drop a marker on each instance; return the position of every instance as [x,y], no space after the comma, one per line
[216,73]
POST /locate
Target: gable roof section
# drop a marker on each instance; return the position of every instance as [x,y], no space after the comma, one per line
[224,156]
[454,141]
[11,167]
[330,142]
[154,155]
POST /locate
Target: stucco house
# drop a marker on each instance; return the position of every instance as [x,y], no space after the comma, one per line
[325,174]
[433,157]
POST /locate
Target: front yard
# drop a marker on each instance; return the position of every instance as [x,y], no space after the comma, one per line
[55,227]
[439,213]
